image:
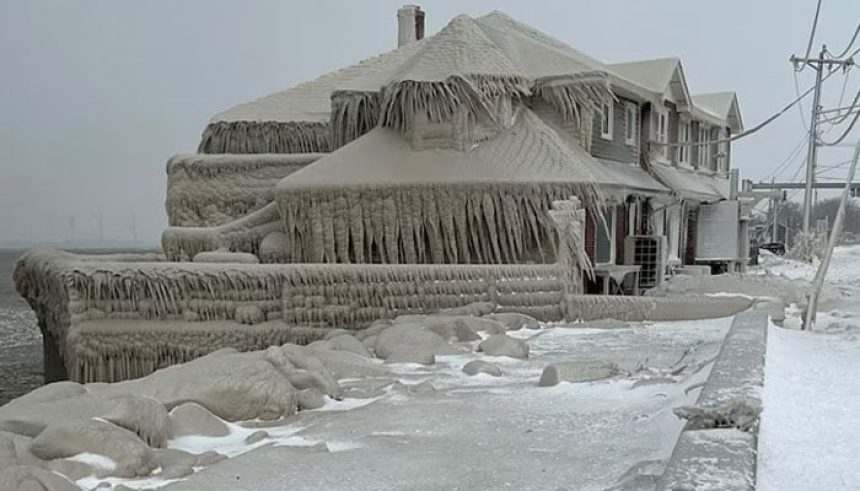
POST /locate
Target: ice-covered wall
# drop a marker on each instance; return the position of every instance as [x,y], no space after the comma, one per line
[347,296]
[244,234]
[111,320]
[210,190]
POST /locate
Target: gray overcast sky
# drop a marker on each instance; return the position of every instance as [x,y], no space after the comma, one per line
[95,95]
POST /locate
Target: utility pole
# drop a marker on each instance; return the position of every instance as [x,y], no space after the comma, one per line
[774,236]
[815,291]
[817,64]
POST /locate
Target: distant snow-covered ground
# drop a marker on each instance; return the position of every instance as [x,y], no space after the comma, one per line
[809,436]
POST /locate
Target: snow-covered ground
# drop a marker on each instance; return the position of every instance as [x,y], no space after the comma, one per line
[809,436]
[438,428]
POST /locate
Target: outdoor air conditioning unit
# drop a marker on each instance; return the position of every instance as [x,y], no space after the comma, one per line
[649,252]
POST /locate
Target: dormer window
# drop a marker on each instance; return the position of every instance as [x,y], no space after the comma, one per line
[606,121]
[631,115]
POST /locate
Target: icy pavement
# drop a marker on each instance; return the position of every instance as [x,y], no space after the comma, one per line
[809,436]
[437,428]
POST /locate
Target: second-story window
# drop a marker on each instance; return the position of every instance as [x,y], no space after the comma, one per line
[606,121]
[684,137]
[663,131]
[631,115]
[704,150]
[723,148]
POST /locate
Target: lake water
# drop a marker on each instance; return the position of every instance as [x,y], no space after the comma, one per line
[20,339]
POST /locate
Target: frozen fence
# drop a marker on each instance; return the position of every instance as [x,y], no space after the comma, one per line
[355,295]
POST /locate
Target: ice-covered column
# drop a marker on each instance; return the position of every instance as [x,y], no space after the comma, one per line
[569,218]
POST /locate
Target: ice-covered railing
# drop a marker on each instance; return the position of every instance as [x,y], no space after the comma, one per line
[244,234]
[106,320]
[345,295]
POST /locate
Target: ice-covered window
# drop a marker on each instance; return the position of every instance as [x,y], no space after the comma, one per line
[631,114]
[605,250]
[723,151]
[704,150]
[662,132]
[606,121]
[684,137]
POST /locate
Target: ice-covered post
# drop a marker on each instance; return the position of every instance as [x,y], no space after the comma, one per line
[569,218]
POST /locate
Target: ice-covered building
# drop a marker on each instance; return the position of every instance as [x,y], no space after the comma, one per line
[417,180]
[449,149]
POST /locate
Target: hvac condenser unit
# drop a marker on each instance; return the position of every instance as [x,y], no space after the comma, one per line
[649,252]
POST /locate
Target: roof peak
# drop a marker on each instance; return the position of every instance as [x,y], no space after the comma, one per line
[649,60]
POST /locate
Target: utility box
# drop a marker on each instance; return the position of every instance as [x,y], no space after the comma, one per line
[649,252]
[718,234]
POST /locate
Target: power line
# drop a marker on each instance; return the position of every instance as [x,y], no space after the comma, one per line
[746,133]
[845,133]
[837,165]
[796,172]
[850,43]
[811,36]
[790,159]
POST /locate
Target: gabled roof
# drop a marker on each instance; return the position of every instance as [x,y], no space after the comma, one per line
[723,105]
[536,53]
[662,76]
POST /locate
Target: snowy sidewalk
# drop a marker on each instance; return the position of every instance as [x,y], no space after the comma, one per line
[810,436]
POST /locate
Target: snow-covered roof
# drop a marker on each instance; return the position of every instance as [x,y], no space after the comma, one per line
[514,47]
[692,185]
[723,105]
[655,75]
[665,78]
[529,151]
[495,52]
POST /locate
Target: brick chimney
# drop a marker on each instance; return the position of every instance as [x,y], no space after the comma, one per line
[410,24]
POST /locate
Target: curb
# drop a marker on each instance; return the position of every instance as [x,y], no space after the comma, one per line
[717,448]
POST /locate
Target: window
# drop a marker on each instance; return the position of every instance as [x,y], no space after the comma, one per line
[631,115]
[684,137]
[714,149]
[663,131]
[605,247]
[606,121]
[704,150]
[723,149]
